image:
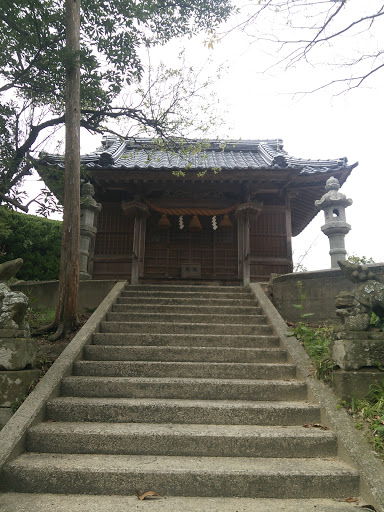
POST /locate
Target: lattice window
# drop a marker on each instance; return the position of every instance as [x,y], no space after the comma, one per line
[114,232]
[268,235]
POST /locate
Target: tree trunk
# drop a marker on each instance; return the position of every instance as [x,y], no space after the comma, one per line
[66,316]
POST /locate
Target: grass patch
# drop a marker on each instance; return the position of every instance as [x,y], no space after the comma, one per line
[369,415]
[39,317]
[317,341]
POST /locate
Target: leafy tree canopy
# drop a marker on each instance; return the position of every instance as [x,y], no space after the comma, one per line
[33,59]
[35,239]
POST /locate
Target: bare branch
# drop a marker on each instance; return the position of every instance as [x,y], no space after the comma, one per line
[320,23]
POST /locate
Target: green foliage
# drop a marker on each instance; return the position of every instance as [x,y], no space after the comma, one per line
[43,364]
[316,340]
[371,411]
[34,60]
[303,296]
[35,239]
[16,404]
[39,317]
[361,260]
[377,321]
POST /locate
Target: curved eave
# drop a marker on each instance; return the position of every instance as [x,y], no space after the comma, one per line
[257,162]
[304,195]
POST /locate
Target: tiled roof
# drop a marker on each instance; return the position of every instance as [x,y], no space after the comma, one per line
[239,161]
[229,155]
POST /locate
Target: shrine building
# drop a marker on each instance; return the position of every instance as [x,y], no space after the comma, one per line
[228,216]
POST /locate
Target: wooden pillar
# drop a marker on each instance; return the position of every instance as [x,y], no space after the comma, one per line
[140,212]
[138,249]
[246,251]
[243,214]
[240,245]
[289,231]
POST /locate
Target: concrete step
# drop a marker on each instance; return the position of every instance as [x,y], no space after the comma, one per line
[185,328]
[176,288]
[207,354]
[195,310]
[202,389]
[185,318]
[181,476]
[145,410]
[185,391]
[197,300]
[186,369]
[185,340]
[181,440]
[25,502]
[187,294]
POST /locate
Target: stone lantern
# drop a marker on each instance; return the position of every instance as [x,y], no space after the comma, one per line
[334,204]
[89,207]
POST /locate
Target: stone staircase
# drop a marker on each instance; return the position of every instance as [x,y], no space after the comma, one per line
[185,391]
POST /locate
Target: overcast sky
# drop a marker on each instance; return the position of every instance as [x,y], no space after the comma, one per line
[318,125]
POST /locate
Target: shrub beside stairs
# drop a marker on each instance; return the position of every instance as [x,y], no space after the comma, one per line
[185,391]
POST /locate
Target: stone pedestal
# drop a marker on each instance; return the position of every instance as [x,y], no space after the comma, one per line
[359,349]
[336,232]
[18,351]
[355,384]
[15,384]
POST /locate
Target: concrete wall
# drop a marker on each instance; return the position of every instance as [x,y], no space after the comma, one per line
[321,287]
[91,293]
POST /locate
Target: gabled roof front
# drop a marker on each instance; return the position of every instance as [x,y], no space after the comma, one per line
[257,161]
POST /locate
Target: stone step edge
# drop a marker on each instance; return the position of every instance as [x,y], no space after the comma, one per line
[10,502]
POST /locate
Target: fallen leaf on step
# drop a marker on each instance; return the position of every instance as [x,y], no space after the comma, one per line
[351,500]
[315,425]
[148,494]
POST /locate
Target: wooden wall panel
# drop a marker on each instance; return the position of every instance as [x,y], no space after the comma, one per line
[113,244]
[269,243]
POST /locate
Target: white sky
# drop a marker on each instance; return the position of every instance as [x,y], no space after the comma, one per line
[318,125]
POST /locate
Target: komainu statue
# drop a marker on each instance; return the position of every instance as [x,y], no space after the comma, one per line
[13,305]
[355,308]
[18,352]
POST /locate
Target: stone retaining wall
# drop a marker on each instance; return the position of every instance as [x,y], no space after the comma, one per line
[320,286]
[91,293]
